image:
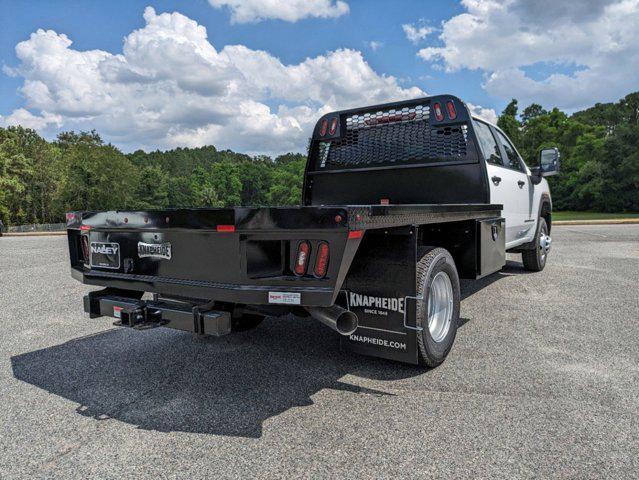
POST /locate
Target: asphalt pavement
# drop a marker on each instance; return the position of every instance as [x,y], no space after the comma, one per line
[543,381]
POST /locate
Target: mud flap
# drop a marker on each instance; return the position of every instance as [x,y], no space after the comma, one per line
[380,289]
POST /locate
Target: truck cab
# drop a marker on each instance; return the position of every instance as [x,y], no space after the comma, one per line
[469,160]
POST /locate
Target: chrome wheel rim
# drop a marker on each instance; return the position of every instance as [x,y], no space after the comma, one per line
[544,245]
[440,306]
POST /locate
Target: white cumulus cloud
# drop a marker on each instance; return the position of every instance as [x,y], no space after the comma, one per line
[171,87]
[484,113]
[589,47]
[417,33]
[250,11]
[27,119]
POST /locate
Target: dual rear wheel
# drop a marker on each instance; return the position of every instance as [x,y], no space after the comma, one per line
[437,306]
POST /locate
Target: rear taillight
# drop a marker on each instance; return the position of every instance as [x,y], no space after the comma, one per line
[321,260]
[324,128]
[439,115]
[84,243]
[301,258]
[450,107]
[333,126]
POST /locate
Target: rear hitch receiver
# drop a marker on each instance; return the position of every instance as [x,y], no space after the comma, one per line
[140,317]
[144,314]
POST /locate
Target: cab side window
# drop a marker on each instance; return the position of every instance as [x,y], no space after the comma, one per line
[488,144]
[513,161]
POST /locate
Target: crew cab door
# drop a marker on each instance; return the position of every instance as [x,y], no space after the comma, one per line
[508,182]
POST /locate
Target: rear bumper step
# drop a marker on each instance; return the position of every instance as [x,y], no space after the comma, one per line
[145,314]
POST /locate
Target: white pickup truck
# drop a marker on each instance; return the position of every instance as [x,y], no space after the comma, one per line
[399,202]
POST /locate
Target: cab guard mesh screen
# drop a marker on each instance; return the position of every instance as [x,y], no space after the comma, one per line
[393,137]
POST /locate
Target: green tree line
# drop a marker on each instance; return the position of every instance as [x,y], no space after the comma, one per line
[599,150]
[41,180]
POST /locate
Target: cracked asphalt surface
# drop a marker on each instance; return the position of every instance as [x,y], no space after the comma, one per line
[543,381]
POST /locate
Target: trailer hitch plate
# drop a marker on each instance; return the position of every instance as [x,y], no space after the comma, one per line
[143,315]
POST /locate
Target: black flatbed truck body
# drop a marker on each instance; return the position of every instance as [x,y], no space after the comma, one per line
[209,263]
[242,256]
[382,185]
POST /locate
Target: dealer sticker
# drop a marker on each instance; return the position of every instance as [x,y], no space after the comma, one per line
[117,312]
[286,298]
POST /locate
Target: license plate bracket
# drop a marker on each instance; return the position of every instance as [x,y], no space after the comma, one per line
[105,255]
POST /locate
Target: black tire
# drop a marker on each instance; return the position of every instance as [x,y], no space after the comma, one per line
[435,260]
[534,260]
[246,321]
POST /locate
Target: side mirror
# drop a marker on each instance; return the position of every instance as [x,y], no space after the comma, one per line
[548,165]
[549,162]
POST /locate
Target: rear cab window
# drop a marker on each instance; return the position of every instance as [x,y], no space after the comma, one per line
[513,160]
[487,143]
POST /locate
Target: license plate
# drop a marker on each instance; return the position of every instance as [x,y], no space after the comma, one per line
[105,255]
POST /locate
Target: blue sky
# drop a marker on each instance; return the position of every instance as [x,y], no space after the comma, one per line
[484,51]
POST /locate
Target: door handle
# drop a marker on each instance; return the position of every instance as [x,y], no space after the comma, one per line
[521,183]
[496,179]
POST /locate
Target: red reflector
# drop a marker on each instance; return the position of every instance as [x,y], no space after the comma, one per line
[301,259]
[321,261]
[450,106]
[324,127]
[333,126]
[355,234]
[438,112]
[85,227]
[225,228]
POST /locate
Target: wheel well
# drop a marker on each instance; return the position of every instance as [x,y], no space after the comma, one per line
[459,238]
[546,214]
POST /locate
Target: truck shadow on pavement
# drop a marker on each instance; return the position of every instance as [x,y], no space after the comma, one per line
[470,287]
[163,380]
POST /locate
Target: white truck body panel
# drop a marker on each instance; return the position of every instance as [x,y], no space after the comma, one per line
[519,196]
[517,201]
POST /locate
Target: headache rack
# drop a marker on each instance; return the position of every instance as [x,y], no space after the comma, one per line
[393,135]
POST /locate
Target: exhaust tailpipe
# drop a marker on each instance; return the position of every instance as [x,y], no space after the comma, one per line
[339,319]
